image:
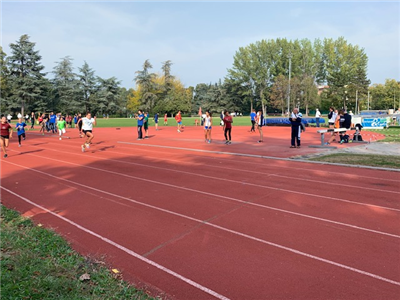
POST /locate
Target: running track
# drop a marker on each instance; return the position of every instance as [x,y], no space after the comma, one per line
[189,220]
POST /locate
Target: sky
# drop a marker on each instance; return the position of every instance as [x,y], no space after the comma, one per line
[199,37]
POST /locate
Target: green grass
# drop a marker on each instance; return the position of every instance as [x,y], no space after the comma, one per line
[386,161]
[36,263]
[391,134]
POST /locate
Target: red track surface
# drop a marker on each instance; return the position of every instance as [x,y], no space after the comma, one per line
[199,221]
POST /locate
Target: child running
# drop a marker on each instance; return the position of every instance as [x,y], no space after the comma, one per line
[227,127]
[87,127]
[61,124]
[208,127]
[5,135]
[20,126]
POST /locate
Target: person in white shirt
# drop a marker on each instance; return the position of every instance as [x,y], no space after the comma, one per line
[208,127]
[317,116]
[87,127]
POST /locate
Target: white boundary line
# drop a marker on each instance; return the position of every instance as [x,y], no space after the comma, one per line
[264,156]
[213,195]
[210,177]
[254,172]
[126,250]
[221,228]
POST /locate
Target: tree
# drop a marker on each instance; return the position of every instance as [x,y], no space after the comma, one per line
[27,80]
[87,84]
[107,96]
[145,80]
[66,86]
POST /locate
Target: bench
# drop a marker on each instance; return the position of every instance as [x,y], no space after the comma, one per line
[322,132]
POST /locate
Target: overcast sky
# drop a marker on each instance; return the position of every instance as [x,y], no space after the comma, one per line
[200,38]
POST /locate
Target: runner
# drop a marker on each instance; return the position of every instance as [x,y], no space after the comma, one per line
[42,122]
[227,127]
[20,126]
[79,122]
[5,134]
[178,119]
[208,127]
[61,124]
[165,119]
[87,127]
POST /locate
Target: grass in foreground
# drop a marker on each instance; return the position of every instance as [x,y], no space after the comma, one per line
[36,263]
[385,161]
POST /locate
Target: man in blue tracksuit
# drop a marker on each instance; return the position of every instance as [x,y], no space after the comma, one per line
[295,121]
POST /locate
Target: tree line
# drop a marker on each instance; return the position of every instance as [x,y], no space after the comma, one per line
[273,75]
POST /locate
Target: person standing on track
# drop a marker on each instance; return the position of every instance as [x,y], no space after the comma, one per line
[178,119]
[146,125]
[165,119]
[20,126]
[295,120]
[87,128]
[52,122]
[208,127]
[33,119]
[227,127]
[5,135]
[260,124]
[139,117]
[156,120]
[253,120]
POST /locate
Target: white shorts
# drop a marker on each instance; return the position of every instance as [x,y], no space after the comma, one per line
[61,131]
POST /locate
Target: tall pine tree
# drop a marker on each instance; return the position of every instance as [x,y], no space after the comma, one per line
[26,78]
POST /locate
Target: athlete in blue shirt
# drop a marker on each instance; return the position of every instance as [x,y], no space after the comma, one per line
[253,120]
[139,118]
[20,126]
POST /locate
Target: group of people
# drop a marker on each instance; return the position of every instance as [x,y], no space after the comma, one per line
[257,119]
[338,119]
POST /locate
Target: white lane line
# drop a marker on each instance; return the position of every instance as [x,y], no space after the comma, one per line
[214,195]
[130,252]
[233,232]
[215,178]
[266,157]
[253,172]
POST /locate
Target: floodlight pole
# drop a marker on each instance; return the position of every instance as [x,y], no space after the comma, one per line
[290,71]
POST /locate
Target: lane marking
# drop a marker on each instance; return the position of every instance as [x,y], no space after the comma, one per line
[126,250]
[211,177]
[212,195]
[264,157]
[226,230]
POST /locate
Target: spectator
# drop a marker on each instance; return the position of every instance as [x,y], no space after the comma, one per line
[295,121]
[317,117]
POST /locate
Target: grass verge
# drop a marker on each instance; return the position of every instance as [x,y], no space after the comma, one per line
[391,134]
[373,160]
[36,263]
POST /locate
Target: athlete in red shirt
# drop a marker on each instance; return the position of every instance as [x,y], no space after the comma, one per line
[227,127]
[6,134]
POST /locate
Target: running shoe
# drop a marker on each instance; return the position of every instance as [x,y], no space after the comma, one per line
[83,148]
[87,146]
[60,139]
[229,142]
[5,155]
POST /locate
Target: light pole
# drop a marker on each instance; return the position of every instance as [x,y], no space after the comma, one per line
[290,71]
[345,97]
